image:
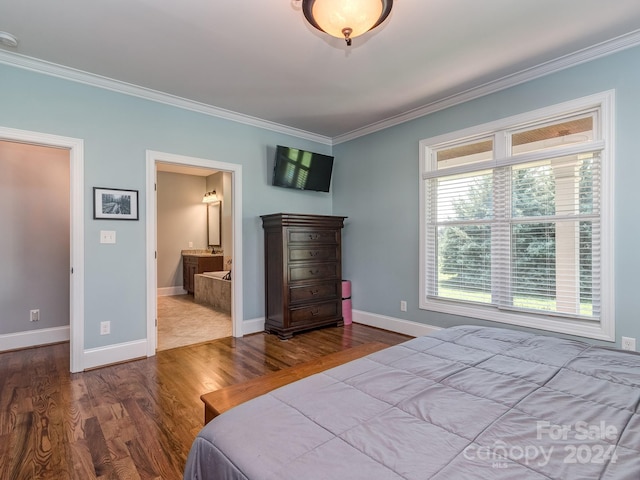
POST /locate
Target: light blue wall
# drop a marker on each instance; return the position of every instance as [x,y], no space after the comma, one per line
[117,130]
[376,185]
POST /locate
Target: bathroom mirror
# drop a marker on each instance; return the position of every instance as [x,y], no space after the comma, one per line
[214,223]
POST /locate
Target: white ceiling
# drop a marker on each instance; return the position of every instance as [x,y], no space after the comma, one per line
[261,59]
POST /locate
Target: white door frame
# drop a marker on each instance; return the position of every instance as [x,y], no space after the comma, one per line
[236,226]
[76,200]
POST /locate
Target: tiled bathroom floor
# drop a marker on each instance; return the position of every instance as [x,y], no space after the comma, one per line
[182,322]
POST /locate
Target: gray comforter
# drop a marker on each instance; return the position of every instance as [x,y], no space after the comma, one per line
[464,403]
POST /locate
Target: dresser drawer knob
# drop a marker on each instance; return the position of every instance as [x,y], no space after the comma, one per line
[314,254]
[314,272]
[315,312]
[314,236]
[314,292]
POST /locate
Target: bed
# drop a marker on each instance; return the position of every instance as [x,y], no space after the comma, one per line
[464,403]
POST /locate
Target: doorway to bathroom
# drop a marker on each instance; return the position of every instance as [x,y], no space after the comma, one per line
[186,302]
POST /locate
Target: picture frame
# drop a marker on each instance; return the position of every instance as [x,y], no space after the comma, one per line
[115,204]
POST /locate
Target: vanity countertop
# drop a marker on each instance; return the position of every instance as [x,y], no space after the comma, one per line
[200,253]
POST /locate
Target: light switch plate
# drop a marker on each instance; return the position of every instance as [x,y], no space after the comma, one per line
[107,236]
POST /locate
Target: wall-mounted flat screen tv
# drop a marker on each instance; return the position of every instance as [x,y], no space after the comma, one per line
[295,168]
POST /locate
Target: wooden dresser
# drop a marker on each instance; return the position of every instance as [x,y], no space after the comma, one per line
[303,272]
[198,263]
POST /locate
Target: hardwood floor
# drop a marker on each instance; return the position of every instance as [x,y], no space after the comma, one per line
[134,420]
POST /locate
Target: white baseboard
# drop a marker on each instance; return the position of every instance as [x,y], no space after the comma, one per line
[393,324]
[121,352]
[33,338]
[170,291]
[253,325]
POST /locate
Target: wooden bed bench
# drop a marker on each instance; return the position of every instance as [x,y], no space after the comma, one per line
[221,400]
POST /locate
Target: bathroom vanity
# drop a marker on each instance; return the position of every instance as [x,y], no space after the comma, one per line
[193,263]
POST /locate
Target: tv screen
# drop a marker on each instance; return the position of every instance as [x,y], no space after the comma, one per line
[295,168]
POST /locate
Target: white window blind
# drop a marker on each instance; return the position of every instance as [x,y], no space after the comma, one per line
[513,223]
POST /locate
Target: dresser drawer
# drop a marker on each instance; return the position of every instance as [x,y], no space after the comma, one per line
[320,291]
[311,253]
[317,271]
[317,312]
[313,236]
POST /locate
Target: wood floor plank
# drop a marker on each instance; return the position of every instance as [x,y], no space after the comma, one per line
[81,464]
[100,456]
[219,401]
[134,420]
[20,447]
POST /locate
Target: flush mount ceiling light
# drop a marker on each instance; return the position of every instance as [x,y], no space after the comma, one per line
[8,40]
[346,18]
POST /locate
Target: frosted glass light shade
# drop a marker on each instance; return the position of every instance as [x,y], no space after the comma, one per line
[346,18]
[210,197]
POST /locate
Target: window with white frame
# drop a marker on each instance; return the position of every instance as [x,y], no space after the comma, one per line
[516,220]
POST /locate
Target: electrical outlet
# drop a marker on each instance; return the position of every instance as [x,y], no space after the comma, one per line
[105,328]
[628,343]
[403,305]
[34,315]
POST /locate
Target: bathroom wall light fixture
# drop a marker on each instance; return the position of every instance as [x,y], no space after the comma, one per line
[210,197]
[346,18]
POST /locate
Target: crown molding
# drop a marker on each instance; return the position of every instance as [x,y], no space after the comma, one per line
[47,68]
[585,55]
[588,54]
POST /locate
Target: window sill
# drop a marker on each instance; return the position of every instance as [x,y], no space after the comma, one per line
[603,330]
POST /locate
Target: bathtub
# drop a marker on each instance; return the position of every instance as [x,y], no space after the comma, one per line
[210,289]
[220,274]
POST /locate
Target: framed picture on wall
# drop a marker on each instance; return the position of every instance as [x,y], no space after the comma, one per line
[115,204]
